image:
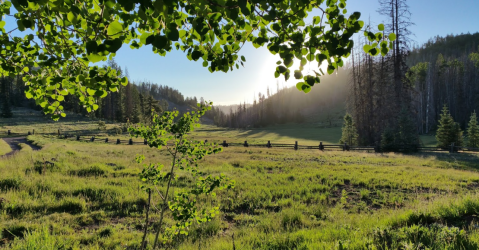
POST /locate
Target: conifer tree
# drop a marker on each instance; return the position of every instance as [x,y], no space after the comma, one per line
[5,108]
[473,132]
[406,137]
[448,131]
[350,134]
[136,118]
[388,140]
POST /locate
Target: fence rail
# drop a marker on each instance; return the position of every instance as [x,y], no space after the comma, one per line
[89,136]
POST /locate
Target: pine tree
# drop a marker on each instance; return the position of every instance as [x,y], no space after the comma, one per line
[448,131]
[388,140]
[406,132]
[350,134]
[473,132]
[135,114]
[6,108]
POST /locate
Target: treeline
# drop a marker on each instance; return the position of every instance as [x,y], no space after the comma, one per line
[132,102]
[396,97]
[445,71]
[380,99]
[285,105]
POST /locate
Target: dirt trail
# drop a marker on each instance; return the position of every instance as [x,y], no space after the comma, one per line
[14,141]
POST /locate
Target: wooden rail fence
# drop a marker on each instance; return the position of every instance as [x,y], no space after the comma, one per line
[88,137]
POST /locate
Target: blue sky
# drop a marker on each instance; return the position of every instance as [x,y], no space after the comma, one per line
[431,18]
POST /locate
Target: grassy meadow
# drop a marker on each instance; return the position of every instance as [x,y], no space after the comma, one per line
[283,199]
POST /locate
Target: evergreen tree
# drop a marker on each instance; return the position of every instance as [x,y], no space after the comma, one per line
[473,132]
[350,134]
[6,108]
[135,114]
[448,131]
[388,140]
[406,132]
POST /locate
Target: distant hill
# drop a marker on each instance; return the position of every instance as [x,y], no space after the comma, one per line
[325,105]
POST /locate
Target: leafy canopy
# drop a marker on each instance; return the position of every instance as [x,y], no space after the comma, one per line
[62,38]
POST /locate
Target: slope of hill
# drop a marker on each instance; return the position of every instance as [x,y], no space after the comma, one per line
[324,105]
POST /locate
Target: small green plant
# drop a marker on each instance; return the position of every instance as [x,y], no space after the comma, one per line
[344,198]
[171,131]
[101,125]
[364,193]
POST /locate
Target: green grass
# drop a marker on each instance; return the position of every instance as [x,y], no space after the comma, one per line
[27,120]
[305,134]
[283,199]
[428,140]
[4,148]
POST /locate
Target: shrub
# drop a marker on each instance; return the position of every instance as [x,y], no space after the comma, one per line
[292,219]
[435,236]
[10,183]
[91,171]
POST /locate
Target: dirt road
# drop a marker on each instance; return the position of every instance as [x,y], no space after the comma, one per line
[14,141]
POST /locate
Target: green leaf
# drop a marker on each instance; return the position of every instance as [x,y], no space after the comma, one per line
[72,17]
[392,37]
[374,51]
[94,58]
[381,27]
[144,36]
[91,47]
[160,42]
[172,32]
[298,74]
[366,48]
[28,95]
[113,45]
[331,69]
[316,20]
[114,29]
[243,59]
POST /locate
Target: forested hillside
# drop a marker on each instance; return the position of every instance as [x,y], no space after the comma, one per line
[326,102]
[445,71]
[132,102]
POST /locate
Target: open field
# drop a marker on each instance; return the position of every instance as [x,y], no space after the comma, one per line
[26,120]
[283,199]
[306,134]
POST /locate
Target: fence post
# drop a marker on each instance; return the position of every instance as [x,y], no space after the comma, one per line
[145,142]
[9,133]
[246,144]
[452,148]
[78,137]
[118,141]
[225,144]
[92,139]
[29,133]
[33,131]
[269,144]
[106,140]
[321,146]
[296,145]
[130,142]
[59,132]
[344,146]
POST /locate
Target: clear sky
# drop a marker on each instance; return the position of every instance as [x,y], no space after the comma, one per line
[431,18]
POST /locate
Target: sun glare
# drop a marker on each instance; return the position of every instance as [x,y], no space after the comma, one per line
[265,77]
